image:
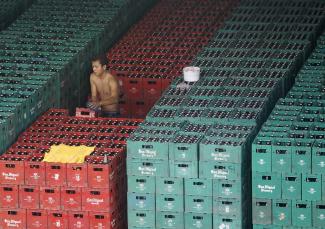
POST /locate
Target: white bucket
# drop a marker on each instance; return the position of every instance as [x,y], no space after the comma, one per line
[191,74]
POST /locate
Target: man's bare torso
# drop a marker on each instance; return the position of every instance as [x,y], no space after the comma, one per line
[103,90]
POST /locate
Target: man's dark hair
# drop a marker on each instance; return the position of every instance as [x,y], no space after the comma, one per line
[101,58]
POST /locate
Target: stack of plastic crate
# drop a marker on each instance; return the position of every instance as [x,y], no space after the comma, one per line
[155,50]
[66,195]
[206,152]
[10,10]
[288,154]
[45,55]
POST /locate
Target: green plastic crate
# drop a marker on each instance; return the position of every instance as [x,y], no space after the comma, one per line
[323,187]
[148,167]
[170,202]
[318,211]
[220,170]
[222,151]
[311,187]
[266,185]
[169,185]
[262,154]
[9,126]
[174,220]
[228,188]
[281,155]
[198,204]
[141,184]
[161,125]
[186,169]
[281,212]
[146,132]
[228,207]
[257,226]
[184,148]
[301,213]
[318,157]
[262,211]
[143,147]
[197,220]
[141,201]
[291,186]
[220,221]
[302,156]
[141,219]
[198,186]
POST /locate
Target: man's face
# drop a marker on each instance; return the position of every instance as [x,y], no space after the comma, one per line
[98,69]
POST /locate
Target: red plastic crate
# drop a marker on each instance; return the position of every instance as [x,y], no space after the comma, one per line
[78,220]
[36,218]
[125,107]
[119,154]
[52,141]
[29,197]
[13,218]
[77,121]
[77,175]
[165,82]
[27,137]
[52,119]
[90,143]
[40,130]
[9,196]
[70,198]
[30,146]
[80,135]
[12,172]
[139,108]
[34,173]
[151,87]
[101,175]
[22,151]
[56,174]
[98,199]
[103,136]
[103,220]
[50,198]
[122,79]
[57,219]
[45,125]
[134,88]
[56,112]
[126,131]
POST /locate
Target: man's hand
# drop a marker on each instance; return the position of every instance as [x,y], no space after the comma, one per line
[97,104]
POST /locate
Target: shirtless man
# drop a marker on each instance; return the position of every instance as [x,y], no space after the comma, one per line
[104,89]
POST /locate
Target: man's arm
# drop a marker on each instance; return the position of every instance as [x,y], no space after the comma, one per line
[113,99]
[93,90]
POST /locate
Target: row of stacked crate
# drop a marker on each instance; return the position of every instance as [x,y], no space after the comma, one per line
[204,130]
[45,56]
[179,178]
[10,10]
[288,155]
[156,49]
[66,195]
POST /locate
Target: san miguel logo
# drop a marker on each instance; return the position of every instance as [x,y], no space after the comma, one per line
[10,176]
[13,223]
[94,201]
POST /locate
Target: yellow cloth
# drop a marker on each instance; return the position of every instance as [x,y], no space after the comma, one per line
[68,154]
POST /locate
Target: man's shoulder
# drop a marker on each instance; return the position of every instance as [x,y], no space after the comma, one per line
[110,76]
[92,76]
